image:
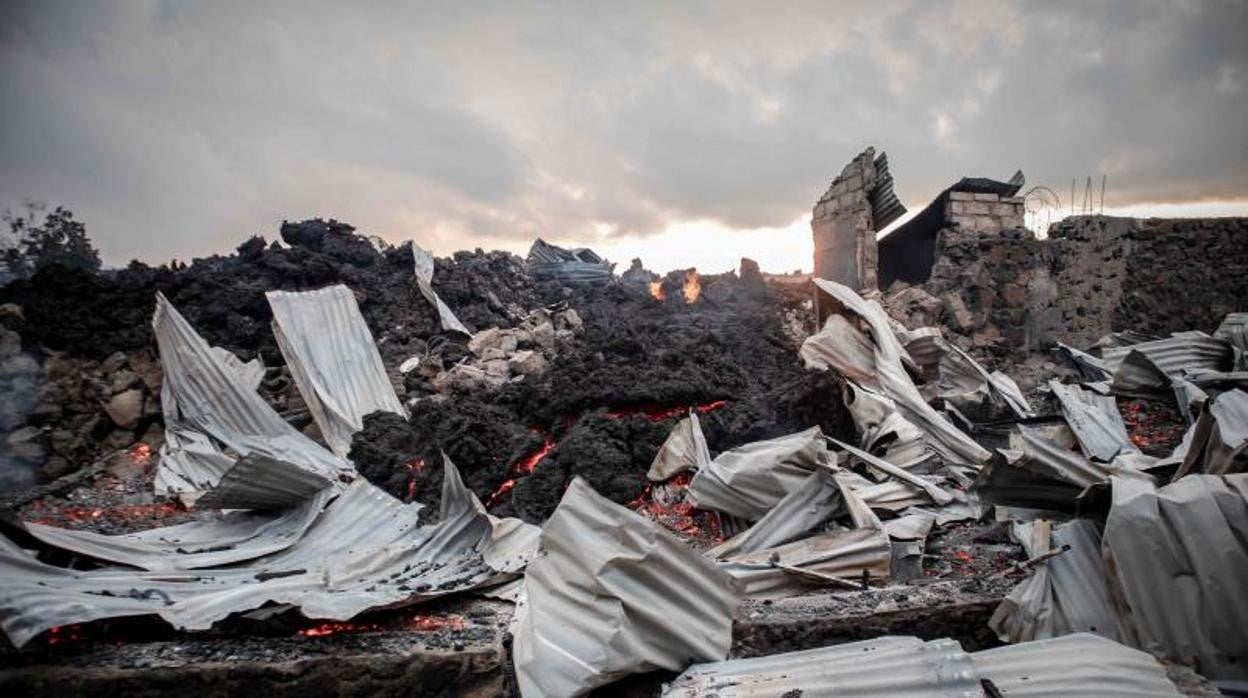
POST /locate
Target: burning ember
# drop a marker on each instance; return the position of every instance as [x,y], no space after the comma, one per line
[692,288]
[665,504]
[656,291]
[140,454]
[658,414]
[115,514]
[522,467]
[413,466]
[416,623]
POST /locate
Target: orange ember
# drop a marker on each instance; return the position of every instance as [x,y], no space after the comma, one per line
[416,623]
[529,462]
[413,466]
[524,466]
[140,453]
[693,287]
[658,414]
[656,290]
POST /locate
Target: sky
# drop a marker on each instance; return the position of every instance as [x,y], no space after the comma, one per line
[687,134]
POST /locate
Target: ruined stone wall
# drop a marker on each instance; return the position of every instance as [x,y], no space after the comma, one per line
[844,233]
[1009,293]
[987,213]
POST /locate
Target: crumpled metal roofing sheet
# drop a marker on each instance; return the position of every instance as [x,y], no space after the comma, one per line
[884,666]
[235,537]
[1219,439]
[1082,664]
[611,594]
[333,359]
[1066,594]
[203,394]
[1141,368]
[363,551]
[1179,553]
[815,501]
[684,449]
[259,482]
[547,261]
[749,480]
[890,368]
[423,260]
[784,570]
[1095,420]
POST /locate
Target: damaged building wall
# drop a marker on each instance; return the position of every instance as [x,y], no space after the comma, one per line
[972,206]
[846,218]
[1012,292]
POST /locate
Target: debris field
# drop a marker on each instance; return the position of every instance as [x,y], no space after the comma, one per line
[930,468]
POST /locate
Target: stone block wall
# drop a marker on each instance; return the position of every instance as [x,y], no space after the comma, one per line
[1010,293]
[844,233]
[984,213]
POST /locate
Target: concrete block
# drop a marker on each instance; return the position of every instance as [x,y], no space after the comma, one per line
[987,224]
[978,208]
[1003,209]
[1013,200]
[961,196]
[987,197]
[956,207]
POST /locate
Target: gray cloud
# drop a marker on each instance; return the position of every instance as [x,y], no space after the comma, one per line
[176,129]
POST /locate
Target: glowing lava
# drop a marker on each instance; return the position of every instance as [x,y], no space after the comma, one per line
[413,466]
[522,467]
[656,290]
[658,414]
[666,504]
[414,623]
[692,288]
[140,454]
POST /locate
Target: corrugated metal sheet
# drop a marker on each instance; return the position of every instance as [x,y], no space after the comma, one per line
[1219,440]
[1066,594]
[578,266]
[1082,665]
[786,569]
[423,260]
[1179,554]
[613,594]
[1234,329]
[808,506]
[235,537]
[207,407]
[363,551]
[885,666]
[1145,368]
[885,432]
[937,494]
[890,364]
[885,206]
[749,480]
[333,359]
[981,395]
[259,482]
[684,449]
[1095,420]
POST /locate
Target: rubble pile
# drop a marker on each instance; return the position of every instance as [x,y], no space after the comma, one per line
[627,465]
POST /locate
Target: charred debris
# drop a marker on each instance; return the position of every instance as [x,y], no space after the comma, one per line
[958,460]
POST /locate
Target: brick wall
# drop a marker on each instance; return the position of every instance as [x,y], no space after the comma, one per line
[844,234]
[984,213]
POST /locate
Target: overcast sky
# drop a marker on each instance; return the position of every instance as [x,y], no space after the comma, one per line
[688,133]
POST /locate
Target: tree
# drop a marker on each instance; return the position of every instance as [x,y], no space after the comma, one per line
[39,240]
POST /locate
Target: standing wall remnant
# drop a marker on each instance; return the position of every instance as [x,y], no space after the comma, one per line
[845,219]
